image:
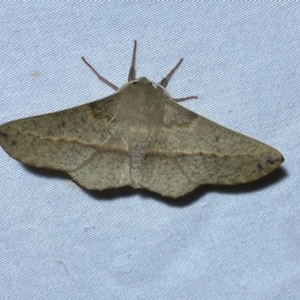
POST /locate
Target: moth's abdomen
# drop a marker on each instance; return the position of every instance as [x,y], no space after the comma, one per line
[137,153]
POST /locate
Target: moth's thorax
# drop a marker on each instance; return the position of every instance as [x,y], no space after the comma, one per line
[142,104]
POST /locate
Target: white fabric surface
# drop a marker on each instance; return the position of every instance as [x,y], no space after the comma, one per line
[58,241]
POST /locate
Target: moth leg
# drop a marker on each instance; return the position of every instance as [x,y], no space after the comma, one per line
[131,74]
[101,78]
[184,98]
[164,82]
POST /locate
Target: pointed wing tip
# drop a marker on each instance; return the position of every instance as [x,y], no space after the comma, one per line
[275,159]
[282,159]
[4,136]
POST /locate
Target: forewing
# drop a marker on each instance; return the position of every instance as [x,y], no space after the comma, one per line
[191,150]
[81,141]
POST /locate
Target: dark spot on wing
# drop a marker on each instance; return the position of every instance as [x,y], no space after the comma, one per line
[4,135]
[14,143]
[260,166]
[99,108]
[271,161]
[83,119]
[93,105]
[216,138]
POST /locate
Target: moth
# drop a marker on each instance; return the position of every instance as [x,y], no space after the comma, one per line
[141,137]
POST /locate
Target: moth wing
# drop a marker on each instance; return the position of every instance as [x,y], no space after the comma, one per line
[81,141]
[191,150]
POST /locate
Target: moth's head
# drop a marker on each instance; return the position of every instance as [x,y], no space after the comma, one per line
[144,87]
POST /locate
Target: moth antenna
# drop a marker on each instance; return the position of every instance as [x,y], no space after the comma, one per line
[101,78]
[131,74]
[164,82]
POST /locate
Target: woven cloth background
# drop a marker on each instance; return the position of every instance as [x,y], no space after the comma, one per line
[58,241]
